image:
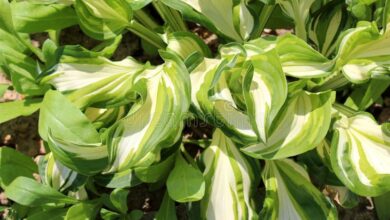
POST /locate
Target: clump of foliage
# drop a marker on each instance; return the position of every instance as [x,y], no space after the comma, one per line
[286,111]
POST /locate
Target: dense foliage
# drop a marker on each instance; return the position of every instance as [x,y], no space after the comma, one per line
[286,111]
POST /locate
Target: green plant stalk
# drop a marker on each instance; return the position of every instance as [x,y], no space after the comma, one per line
[300,30]
[145,19]
[170,16]
[146,34]
[265,14]
[187,156]
[33,49]
[54,35]
[345,110]
[331,83]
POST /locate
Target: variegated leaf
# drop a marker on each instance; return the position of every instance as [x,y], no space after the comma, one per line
[300,60]
[291,195]
[265,91]
[296,129]
[71,136]
[364,53]
[103,19]
[213,100]
[95,80]
[360,154]
[102,117]
[230,18]
[230,181]
[185,44]
[153,122]
[299,11]
[327,24]
[58,176]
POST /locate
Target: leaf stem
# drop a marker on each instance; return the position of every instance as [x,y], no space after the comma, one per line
[334,81]
[172,17]
[145,19]
[345,110]
[33,49]
[265,14]
[146,34]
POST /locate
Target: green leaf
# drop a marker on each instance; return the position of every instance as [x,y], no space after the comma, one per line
[109,215]
[6,22]
[7,26]
[386,16]
[122,179]
[32,18]
[14,164]
[72,137]
[295,130]
[381,206]
[185,183]
[360,148]
[167,209]
[184,44]
[138,4]
[135,214]
[118,198]
[3,89]
[52,214]
[11,110]
[299,11]
[364,96]
[156,172]
[231,19]
[107,48]
[155,120]
[103,19]
[230,181]
[83,210]
[28,192]
[291,195]
[300,60]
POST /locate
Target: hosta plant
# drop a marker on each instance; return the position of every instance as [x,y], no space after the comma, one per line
[259,128]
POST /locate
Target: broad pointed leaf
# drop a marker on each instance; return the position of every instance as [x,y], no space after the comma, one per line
[95,81]
[360,154]
[14,164]
[230,181]
[213,101]
[103,19]
[291,195]
[364,53]
[155,120]
[32,18]
[184,44]
[300,60]
[299,11]
[265,91]
[58,176]
[296,129]
[185,183]
[29,192]
[72,137]
[231,18]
